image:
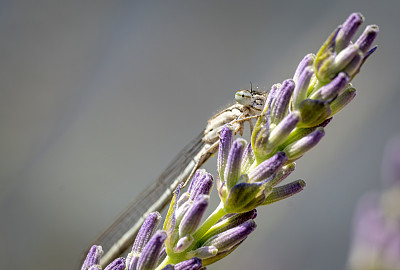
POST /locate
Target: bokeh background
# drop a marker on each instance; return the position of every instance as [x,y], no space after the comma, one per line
[98,96]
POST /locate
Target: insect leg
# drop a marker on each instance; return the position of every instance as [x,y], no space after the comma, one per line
[205,154]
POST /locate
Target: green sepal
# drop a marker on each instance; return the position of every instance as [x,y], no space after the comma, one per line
[260,135]
[242,195]
[313,112]
[325,58]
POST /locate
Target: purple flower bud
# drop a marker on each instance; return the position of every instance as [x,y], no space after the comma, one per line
[149,257]
[306,63]
[348,55]
[285,191]
[282,174]
[247,159]
[272,92]
[332,89]
[229,223]
[296,135]
[183,198]
[268,167]
[347,31]
[192,218]
[233,164]
[228,239]
[191,264]
[93,257]
[299,148]
[364,42]
[132,261]
[282,130]
[117,264]
[182,210]
[301,88]
[280,104]
[202,185]
[225,143]
[146,231]
[342,100]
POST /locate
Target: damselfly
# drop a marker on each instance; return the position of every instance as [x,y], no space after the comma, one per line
[120,235]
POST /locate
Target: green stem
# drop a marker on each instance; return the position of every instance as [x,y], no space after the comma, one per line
[164,263]
[218,213]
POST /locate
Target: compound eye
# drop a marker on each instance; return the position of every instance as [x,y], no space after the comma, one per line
[243,97]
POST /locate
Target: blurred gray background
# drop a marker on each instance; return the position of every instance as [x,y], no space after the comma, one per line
[98,96]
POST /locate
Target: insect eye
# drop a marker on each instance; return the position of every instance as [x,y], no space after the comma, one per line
[243,97]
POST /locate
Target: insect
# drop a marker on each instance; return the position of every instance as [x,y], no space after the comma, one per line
[120,235]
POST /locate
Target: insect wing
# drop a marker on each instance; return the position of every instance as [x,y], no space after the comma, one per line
[120,235]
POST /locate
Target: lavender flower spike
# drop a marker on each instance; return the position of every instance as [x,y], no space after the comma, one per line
[149,256]
[338,54]
[117,264]
[93,257]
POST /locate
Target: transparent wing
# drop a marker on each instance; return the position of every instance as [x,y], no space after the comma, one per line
[120,235]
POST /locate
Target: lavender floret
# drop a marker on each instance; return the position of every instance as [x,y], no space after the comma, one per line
[93,257]
[191,264]
[147,260]
[117,264]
